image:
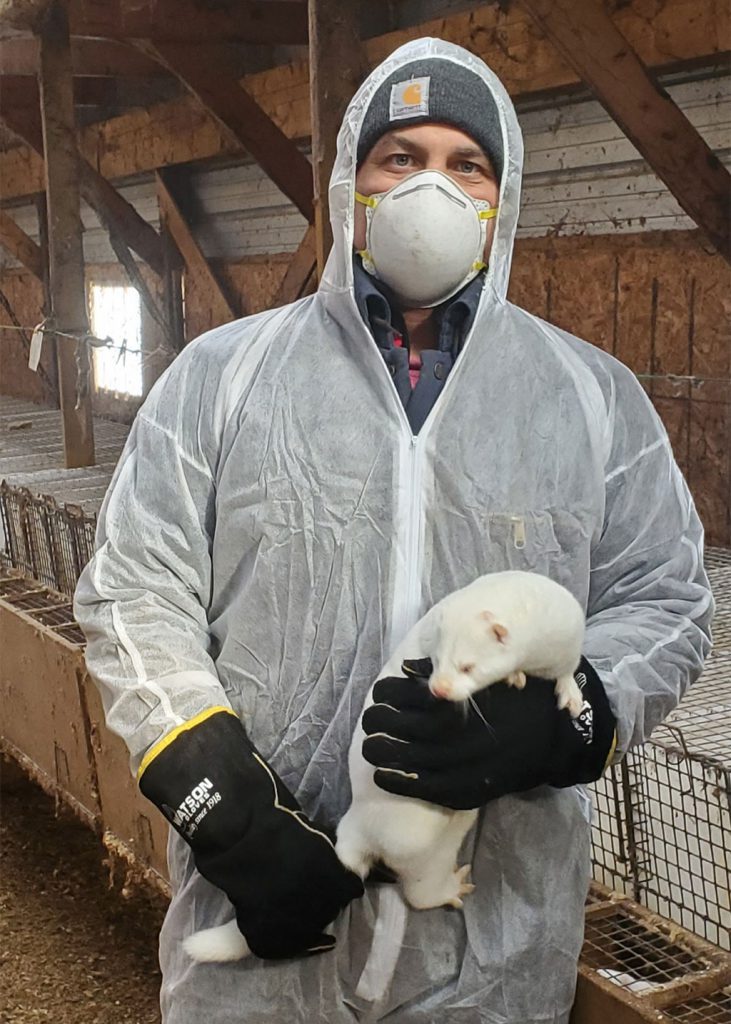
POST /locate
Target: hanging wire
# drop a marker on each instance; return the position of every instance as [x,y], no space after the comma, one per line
[84,336]
[94,342]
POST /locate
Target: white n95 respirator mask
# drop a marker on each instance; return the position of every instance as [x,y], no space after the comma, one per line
[425,238]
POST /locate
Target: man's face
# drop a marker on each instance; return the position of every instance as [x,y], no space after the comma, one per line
[425,147]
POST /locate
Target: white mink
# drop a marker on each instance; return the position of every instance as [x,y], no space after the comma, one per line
[503,626]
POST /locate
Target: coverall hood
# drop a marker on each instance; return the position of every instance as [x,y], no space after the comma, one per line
[338,275]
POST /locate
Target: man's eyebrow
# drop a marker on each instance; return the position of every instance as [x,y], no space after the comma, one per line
[471,151]
[399,140]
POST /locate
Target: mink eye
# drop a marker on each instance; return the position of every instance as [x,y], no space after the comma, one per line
[466,669]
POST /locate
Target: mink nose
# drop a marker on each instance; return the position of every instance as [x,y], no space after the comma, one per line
[441,687]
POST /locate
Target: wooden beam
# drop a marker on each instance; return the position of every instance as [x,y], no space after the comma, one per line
[20,246]
[252,21]
[300,272]
[111,207]
[230,104]
[333,30]
[196,263]
[21,91]
[172,287]
[593,45]
[90,57]
[511,43]
[68,286]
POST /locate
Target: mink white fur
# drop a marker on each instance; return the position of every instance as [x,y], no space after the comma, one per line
[503,626]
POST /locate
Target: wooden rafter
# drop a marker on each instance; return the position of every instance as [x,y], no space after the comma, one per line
[229,103]
[512,44]
[195,262]
[90,57]
[68,287]
[172,286]
[111,207]
[333,30]
[21,91]
[300,272]
[591,43]
[20,246]
[253,21]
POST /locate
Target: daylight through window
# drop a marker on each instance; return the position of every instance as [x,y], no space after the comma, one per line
[115,313]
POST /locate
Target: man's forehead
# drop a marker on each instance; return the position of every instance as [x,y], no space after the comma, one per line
[430,133]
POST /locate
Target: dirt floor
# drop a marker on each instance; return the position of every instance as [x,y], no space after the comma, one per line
[71,948]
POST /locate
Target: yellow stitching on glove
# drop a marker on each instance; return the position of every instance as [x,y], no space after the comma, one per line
[295,814]
[612,751]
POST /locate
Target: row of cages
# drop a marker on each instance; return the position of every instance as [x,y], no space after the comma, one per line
[48,542]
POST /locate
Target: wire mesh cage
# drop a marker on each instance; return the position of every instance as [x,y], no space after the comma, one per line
[713,1009]
[48,607]
[50,542]
[638,966]
[662,829]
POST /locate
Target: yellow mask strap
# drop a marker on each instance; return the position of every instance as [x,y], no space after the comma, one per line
[365,200]
[489,214]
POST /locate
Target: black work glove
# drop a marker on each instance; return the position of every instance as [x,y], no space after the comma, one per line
[461,756]
[249,836]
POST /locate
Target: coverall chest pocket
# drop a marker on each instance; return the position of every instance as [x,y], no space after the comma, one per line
[524,540]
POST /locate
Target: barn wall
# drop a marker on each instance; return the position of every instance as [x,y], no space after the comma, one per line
[603,249]
[661,303]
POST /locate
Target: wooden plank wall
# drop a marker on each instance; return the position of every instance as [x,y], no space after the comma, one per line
[659,301]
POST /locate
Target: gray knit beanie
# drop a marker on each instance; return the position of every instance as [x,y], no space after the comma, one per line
[434,90]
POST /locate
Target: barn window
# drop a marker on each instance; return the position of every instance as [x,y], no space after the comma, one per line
[115,313]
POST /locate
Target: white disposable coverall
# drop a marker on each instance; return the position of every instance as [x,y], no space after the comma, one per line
[273,529]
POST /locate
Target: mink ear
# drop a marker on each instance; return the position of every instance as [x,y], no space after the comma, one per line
[500,632]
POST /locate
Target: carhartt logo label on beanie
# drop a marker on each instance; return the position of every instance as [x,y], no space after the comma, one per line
[409,98]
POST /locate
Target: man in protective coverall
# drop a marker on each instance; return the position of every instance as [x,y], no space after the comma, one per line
[298,489]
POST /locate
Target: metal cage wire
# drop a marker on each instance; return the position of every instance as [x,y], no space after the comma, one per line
[662,825]
[49,542]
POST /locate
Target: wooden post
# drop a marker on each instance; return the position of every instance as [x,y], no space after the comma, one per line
[301,270]
[336,66]
[68,289]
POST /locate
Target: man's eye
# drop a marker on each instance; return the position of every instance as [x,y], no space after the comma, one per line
[467,167]
[401,159]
